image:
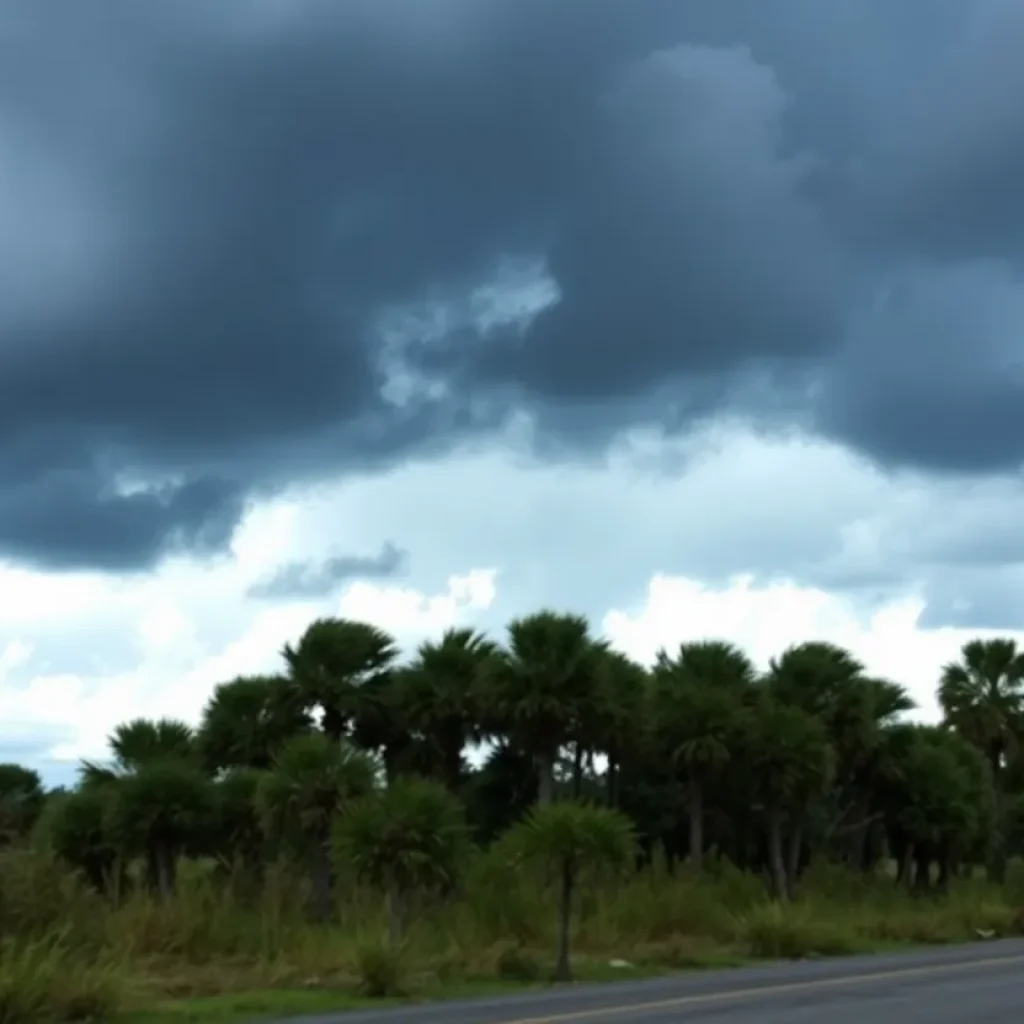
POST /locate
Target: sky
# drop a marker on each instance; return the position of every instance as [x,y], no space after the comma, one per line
[702,319]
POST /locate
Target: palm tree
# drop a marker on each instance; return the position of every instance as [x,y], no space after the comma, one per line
[790,763]
[812,675]
[160,798]
[697,704]
[540,689]
[21,801]
[140,742]
[237,838]
[78,827]
[619,718]
[829,683]
[411,837]
[942,799]
[246,720]
[160,810]
[309,783]
[566,840]
[379,726]
[982,698]
[331,666]
[439,695]
[862,717]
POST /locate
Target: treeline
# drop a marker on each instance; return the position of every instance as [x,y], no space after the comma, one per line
[699,756]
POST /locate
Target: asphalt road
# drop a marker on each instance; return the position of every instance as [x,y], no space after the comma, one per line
[977,984]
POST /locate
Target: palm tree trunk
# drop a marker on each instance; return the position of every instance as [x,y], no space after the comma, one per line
[396,918]
[320,882]
[577,770]
[563,966]
[857,844]
[996,867]
[696,812]
[922,871]
[165,873]
[546,774]
[796,840]
[452,763]
[905,874]
[152,871]
[776,863]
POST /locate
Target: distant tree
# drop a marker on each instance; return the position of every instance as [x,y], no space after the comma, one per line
[158,811]
[439,694]
[21,801]
[143,741]
[542,687]
[982,698]
[813,758]
[617,720]
[160,798]
[236,837]
[861,720]
[500,791]
[246,720]
[698,706]
[78,825]
[943,802]
[332,668]
[790,763]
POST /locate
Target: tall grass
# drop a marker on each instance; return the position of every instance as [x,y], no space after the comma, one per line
[69,954]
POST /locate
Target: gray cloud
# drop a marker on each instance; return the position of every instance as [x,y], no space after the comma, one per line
[308,579]
[799,212]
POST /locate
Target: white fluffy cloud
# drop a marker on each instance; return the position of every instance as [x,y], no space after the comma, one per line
[762,541]
[764,619]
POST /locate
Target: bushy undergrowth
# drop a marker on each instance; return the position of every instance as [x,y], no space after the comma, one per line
[69,954]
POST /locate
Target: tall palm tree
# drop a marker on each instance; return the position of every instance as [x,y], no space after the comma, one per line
[618,717]
[861,721]
[332,666]
[160,799]
[813,675]
[982,698]
[698,703]
[791,763]
[440,692]
[540,689]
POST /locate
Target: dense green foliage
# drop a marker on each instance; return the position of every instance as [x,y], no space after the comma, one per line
[350,767]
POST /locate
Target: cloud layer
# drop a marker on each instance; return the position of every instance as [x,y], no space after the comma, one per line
[251,245]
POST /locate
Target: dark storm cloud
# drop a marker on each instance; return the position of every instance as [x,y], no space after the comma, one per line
[205,208]
[317,579]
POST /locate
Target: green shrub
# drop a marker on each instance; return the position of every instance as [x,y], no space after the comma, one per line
[43,981]
[381,969]
[779,932]
[513,963]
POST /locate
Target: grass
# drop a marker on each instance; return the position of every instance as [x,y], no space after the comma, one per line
[219,951]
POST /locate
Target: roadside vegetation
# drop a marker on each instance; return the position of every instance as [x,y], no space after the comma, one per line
[320,840]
